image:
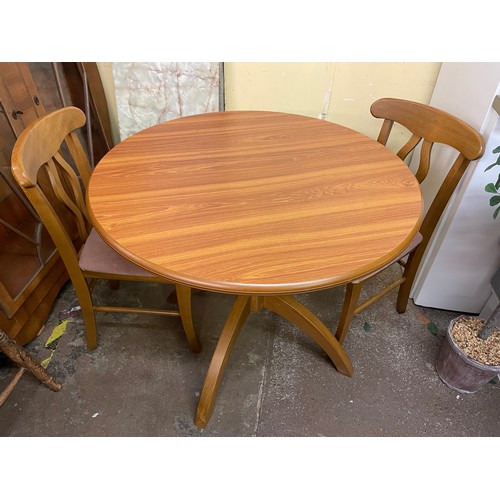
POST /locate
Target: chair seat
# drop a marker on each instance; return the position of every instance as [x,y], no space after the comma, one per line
[98,257]
[417,239]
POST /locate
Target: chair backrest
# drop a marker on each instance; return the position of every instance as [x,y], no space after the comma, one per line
[429,125]
[41,166]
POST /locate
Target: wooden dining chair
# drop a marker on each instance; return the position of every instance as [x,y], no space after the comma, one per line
[428,125]
[41,165]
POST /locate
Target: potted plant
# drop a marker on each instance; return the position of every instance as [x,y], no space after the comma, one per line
[470,354]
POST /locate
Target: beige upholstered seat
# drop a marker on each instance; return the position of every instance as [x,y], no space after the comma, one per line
[98,257]
[428,126]
[40,166]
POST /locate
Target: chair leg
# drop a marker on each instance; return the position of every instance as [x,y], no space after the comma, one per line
[85,299]
[90,327]
[352,293]
[184,299]
[409,274]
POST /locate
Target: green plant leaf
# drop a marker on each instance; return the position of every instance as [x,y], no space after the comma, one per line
[494,200]
[496,150]
[489,167]
[496,212]
[432,327]
[490,188]
[497,184]
[367,327]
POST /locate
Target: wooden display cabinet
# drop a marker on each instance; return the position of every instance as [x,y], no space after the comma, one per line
[31,271]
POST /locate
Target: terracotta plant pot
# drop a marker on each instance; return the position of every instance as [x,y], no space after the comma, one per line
[460,372]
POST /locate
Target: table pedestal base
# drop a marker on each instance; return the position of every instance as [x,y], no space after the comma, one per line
[287,307]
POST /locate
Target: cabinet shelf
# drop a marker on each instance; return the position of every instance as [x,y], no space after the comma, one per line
[31,269]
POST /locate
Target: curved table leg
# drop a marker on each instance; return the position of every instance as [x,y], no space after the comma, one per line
[183,294]
[235,321]
[291,309]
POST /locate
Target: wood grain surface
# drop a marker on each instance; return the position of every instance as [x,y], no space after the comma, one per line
[253,202]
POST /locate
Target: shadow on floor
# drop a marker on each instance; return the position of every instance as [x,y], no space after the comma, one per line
[143,380]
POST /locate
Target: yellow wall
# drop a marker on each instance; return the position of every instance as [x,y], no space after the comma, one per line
[303,88]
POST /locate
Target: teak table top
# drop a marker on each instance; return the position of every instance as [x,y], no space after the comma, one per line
[258,204]
[254,202]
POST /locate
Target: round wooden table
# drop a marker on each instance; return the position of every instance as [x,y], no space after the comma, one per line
[257,204]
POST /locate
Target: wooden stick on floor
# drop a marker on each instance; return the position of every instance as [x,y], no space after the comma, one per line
[6,392]
[17,354]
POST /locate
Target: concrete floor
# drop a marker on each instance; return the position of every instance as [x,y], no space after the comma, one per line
[143,380]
